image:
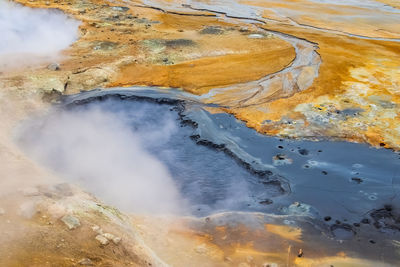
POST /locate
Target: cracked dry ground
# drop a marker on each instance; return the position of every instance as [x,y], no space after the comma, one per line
[326,78]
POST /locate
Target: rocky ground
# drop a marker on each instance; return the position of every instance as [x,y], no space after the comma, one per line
[298,69]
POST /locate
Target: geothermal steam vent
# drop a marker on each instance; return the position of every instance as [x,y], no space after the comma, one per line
[30,36]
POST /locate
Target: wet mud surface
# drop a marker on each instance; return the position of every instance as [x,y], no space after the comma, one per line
[348,192]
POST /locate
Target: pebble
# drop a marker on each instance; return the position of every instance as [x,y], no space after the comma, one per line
[256,36]
[86,262]
[97,229]
[102,240]
[71,221]
[201,249]
[54,66]
[120,8]
[108,236]
[116,240]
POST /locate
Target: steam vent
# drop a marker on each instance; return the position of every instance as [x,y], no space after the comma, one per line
[200,133]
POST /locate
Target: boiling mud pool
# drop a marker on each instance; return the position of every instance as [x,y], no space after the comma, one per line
[349,191]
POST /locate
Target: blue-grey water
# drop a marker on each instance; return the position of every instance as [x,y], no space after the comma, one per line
[341,180]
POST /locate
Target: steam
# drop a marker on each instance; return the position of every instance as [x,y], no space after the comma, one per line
[30,36]
[97,150]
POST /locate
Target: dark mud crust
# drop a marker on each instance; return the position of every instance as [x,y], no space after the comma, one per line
[385,219]
[267,177]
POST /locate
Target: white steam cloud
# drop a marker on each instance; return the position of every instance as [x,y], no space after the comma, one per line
[95,149]
[30,36]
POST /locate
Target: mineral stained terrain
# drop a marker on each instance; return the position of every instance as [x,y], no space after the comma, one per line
[298,69]
[242,55]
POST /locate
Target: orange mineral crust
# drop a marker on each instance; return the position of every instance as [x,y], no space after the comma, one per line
[348,90]
[355,97]
[144,46]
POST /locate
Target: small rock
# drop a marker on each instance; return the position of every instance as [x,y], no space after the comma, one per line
[54,66]
[120,8]
[97,229]
[266,202]
[201,249]
[255,36]
[358,180]
[300,253]
[86,262]
[109,236]
[2,211]
[116,240]
[102,240]
[71,221]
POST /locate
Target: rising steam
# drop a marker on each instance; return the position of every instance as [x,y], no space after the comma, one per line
[95,149]
[30,36]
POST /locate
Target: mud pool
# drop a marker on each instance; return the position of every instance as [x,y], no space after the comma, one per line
[349,191]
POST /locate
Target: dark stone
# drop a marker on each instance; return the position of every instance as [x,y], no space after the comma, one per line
[386,218]
[266,202]
[365,221]
[358,180]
